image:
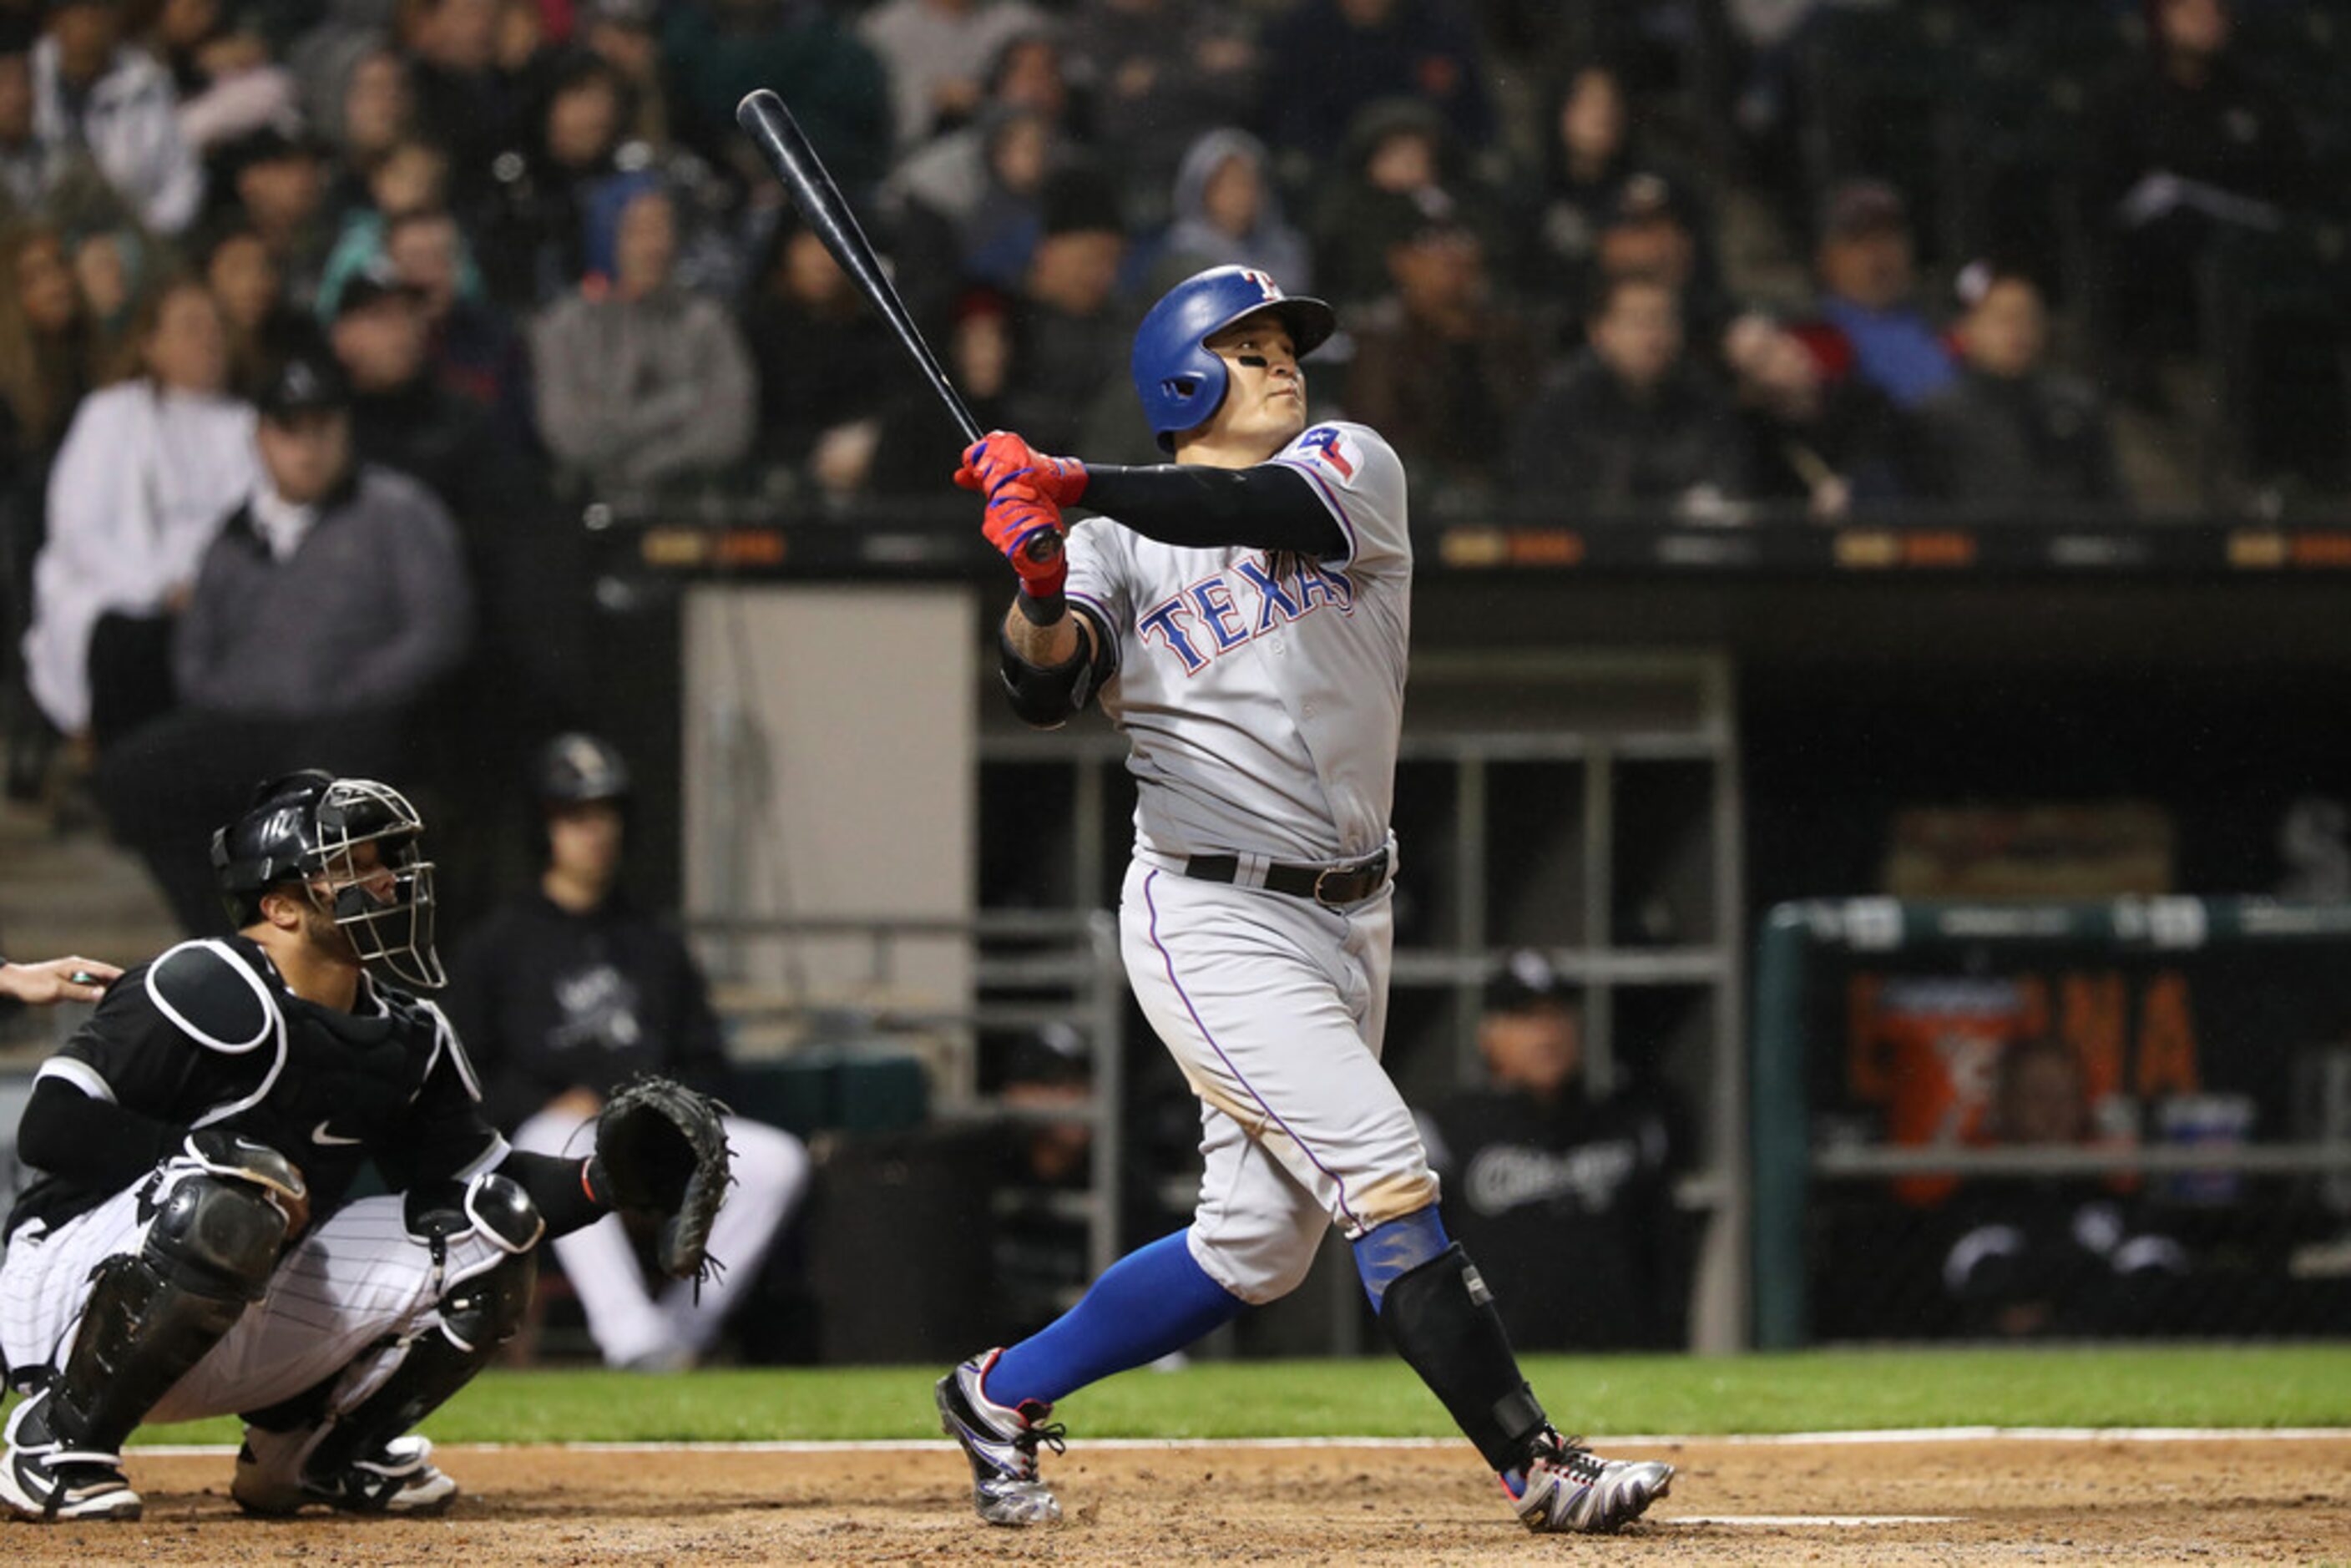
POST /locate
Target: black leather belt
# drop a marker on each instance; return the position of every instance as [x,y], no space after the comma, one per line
[1330,886]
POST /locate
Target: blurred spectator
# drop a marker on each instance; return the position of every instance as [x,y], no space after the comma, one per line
[378,112]
[1811,442]
[110,266]
[1592,157]
[567,992]
[330,602]
[262,327]
[1650,230]
[915,434]
[1565,1196]
[228,83]
[1629,421]
[1071,336]
[2183,143]
[24,162]
[95,95]
[475,353]
[1227,213]
[461,96]
[1157,77]
[967,203]
[148,469]
[2053,1255]
[403,419]
[47,351]
[533,234]
[411,177]
[1331,59]
[827,364]
[622,33]
[2010,431]
[937,54]
[1868,325]
[1439,362]
[639,382]
[1396,147]
[718,50]
[279,182]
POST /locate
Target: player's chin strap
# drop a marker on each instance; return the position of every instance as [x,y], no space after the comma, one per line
[1441,1318]
[478,1313]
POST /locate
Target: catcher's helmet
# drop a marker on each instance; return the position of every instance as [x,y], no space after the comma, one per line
[305,828]
[1181,383]
[576,768]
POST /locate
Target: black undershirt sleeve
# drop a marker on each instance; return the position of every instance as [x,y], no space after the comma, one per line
[1270,506]
[556,1188]
[90,1142]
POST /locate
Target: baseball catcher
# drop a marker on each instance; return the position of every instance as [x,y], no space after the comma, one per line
[192,1248]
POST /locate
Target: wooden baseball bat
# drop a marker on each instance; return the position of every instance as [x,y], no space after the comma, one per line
[803,173]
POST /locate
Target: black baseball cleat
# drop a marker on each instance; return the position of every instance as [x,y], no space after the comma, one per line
[274,1479]
[1568,1488]
[41,1479]
[1001,1443]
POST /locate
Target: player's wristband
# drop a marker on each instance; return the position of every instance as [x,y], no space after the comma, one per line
[1041,609]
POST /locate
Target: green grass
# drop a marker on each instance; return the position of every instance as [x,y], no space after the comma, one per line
[2168,1386]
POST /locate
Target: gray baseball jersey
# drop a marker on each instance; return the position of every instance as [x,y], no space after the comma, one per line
[1262,696]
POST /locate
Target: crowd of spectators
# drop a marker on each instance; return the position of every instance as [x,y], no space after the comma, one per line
[527,242]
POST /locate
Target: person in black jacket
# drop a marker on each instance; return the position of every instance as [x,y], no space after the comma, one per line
[1630,422]
[1566,1197]
[2182,145]
[569,990]
[2010,432]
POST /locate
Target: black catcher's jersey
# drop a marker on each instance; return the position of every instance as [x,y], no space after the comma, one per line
[207,1033]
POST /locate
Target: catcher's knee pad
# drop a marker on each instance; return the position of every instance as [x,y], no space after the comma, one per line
[216,1236]
[494,1205]
[483,1311]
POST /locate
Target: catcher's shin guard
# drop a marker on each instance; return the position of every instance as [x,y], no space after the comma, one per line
[477,1316]
[150,1316]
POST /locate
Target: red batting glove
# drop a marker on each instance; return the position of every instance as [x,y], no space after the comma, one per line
[1017,513]
[1000,455]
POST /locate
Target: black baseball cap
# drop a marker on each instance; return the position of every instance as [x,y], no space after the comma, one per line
[305,383]
[365,287]
[1864,206]
[1528,979]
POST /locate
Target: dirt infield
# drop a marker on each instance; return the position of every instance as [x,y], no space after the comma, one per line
[2010,1501]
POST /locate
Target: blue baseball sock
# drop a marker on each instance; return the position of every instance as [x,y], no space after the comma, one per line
[1151,1301]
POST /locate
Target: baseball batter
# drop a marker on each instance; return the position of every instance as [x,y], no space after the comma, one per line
[189,1247]
[1243,615]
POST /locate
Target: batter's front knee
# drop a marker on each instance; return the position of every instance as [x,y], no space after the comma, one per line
[1385,1198]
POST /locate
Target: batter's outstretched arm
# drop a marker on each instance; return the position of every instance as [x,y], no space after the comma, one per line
[1270,506]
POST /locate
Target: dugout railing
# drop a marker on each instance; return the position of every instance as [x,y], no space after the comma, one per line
[1801,1163]
[1031,971]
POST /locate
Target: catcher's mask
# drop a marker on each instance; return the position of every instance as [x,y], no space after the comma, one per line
[310,828]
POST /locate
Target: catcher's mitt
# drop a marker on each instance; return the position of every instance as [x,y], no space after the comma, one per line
[663,1150]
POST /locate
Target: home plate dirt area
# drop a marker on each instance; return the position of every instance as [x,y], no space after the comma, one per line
[2041,1500]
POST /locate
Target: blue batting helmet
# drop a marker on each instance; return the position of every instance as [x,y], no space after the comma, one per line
[1181,383]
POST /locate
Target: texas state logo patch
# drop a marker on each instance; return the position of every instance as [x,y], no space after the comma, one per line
[1329,445]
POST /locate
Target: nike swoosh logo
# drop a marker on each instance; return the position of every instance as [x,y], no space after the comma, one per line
[318,1135]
